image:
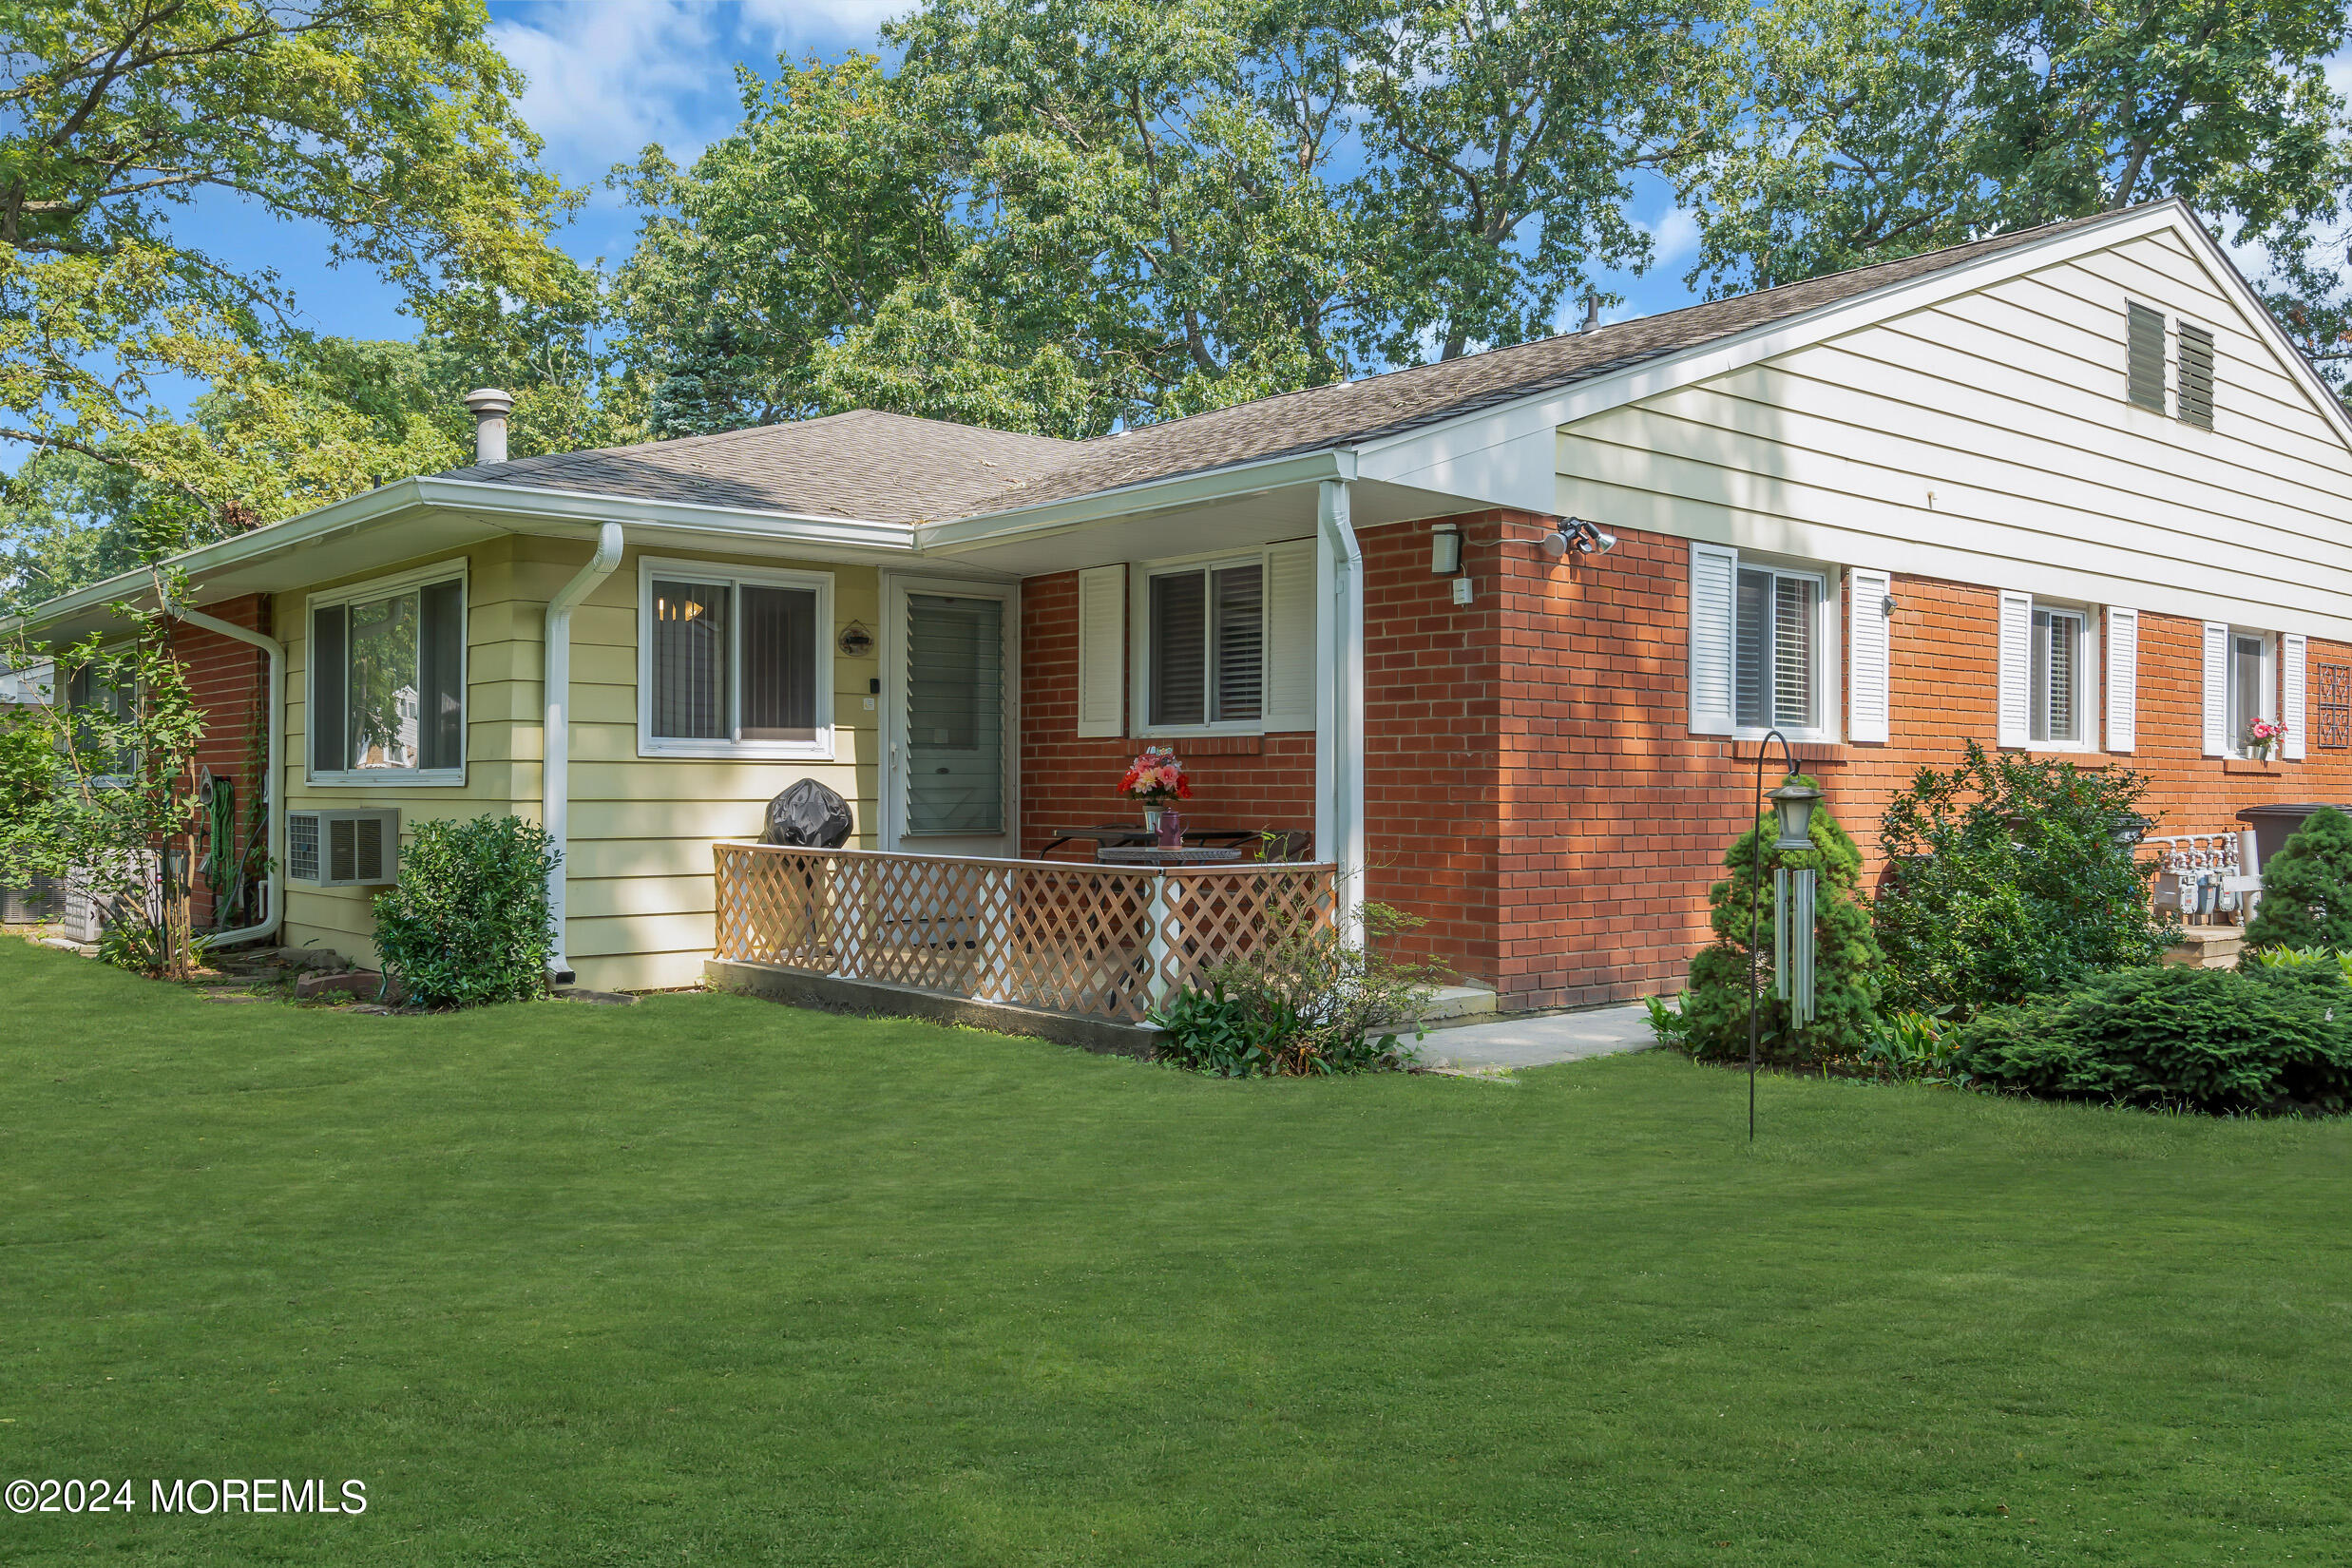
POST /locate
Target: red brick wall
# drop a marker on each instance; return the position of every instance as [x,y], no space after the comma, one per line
[1532,788]
[1615,818]
[230,680]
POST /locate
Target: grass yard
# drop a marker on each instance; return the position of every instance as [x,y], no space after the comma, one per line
[708,1280]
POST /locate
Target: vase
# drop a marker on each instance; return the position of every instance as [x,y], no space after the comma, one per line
[1151,822]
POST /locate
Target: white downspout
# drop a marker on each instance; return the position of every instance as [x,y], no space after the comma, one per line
[1339,703]
[554,785]
[273,884]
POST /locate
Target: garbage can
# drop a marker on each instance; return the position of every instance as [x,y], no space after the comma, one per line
[2274,824]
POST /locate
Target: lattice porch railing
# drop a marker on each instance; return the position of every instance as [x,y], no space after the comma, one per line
[1065,937]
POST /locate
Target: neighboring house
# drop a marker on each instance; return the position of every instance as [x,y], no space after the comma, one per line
[2066,491]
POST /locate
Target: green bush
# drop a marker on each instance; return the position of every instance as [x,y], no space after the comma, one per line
[2307,890]
[468,922]
[1303,1005]
[2207,1040]
[1714,1020]
[2006,882]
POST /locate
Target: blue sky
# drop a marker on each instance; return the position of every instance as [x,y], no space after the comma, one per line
[609,76]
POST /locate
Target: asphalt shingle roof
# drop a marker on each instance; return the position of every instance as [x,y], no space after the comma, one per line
[888,468]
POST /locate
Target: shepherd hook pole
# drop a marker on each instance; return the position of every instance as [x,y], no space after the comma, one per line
[1755,913]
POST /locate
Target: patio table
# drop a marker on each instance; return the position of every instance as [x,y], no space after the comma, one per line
[1152,854]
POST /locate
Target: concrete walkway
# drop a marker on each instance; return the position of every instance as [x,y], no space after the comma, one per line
[1535,1042]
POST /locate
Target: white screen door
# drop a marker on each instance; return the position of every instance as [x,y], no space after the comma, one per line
[949,671]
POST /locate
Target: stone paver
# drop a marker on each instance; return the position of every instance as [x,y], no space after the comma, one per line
[1536,1041]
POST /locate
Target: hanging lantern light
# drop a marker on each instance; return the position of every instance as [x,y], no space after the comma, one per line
[1793,805]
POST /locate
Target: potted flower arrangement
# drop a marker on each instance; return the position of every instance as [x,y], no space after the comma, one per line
[2261,734]
[1157,779]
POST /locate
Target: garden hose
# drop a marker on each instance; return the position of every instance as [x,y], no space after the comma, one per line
[219,831]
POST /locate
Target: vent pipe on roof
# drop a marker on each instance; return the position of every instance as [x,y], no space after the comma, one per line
[489,408]
[1591,313]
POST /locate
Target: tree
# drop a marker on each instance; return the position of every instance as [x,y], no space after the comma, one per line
[102,781]
[1126,210]
[1882,129]
[389,127]
[2306,888]
[1846,956]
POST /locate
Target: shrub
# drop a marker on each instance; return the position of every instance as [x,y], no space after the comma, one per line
[2209,1040]
[2307,890]
[1715,1012]
[2005,881]
[467,923]
[1304,1004]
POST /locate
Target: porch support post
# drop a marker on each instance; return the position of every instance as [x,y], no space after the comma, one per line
[1339,703]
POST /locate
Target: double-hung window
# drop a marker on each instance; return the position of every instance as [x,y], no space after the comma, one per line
[1761,646]
[2249,687]
[90,690]
[1776,649]
[734,661]
[1207,665]
[2058,678]
[387,678]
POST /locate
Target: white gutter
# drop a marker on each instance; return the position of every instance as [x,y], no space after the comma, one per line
[555,784]
[273,885]
[1339,703]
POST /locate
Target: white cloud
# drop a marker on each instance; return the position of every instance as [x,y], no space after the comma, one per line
[840,21]
[605,79]
[1674,238]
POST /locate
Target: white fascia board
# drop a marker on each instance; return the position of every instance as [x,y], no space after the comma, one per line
[1481,453]
[570,511]
[1193,489]
[591,511]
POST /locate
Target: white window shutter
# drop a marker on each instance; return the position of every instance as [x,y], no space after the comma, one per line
[2291,705]
[2216,689]
[2123,678]
[1869,632]
[1290,635]
[2015,706]
[1101,650]
[1713,569]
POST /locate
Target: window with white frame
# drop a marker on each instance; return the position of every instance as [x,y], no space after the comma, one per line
[1764,646]
[90,690]
[1776,648]
[387,674]
[2249,687]
[734,661]
[1206,645]
[2059,677]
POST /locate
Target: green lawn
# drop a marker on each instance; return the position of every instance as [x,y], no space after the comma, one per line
[710,1280]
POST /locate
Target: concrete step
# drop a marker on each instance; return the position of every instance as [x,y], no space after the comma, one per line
[1459,1003]
[2208,948]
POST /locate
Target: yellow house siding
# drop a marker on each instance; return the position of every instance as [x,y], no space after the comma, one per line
[639,889]
[640,886]
[502,635]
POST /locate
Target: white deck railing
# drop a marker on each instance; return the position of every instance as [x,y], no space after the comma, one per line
[1092,941]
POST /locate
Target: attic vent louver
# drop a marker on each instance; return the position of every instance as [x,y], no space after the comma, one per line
[2196,396]
[2144,343]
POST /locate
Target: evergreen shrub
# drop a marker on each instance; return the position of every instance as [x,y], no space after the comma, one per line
[467,923]
[1713,1021]
[2306,888]
[2206,1040]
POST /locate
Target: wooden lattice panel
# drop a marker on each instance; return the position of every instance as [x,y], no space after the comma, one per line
[1093,941]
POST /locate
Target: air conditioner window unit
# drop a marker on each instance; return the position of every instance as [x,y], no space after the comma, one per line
[345,849]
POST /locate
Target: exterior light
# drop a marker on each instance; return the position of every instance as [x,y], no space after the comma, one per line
[1445,549]
[1575,533]
[1794,804]
[2128,829]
